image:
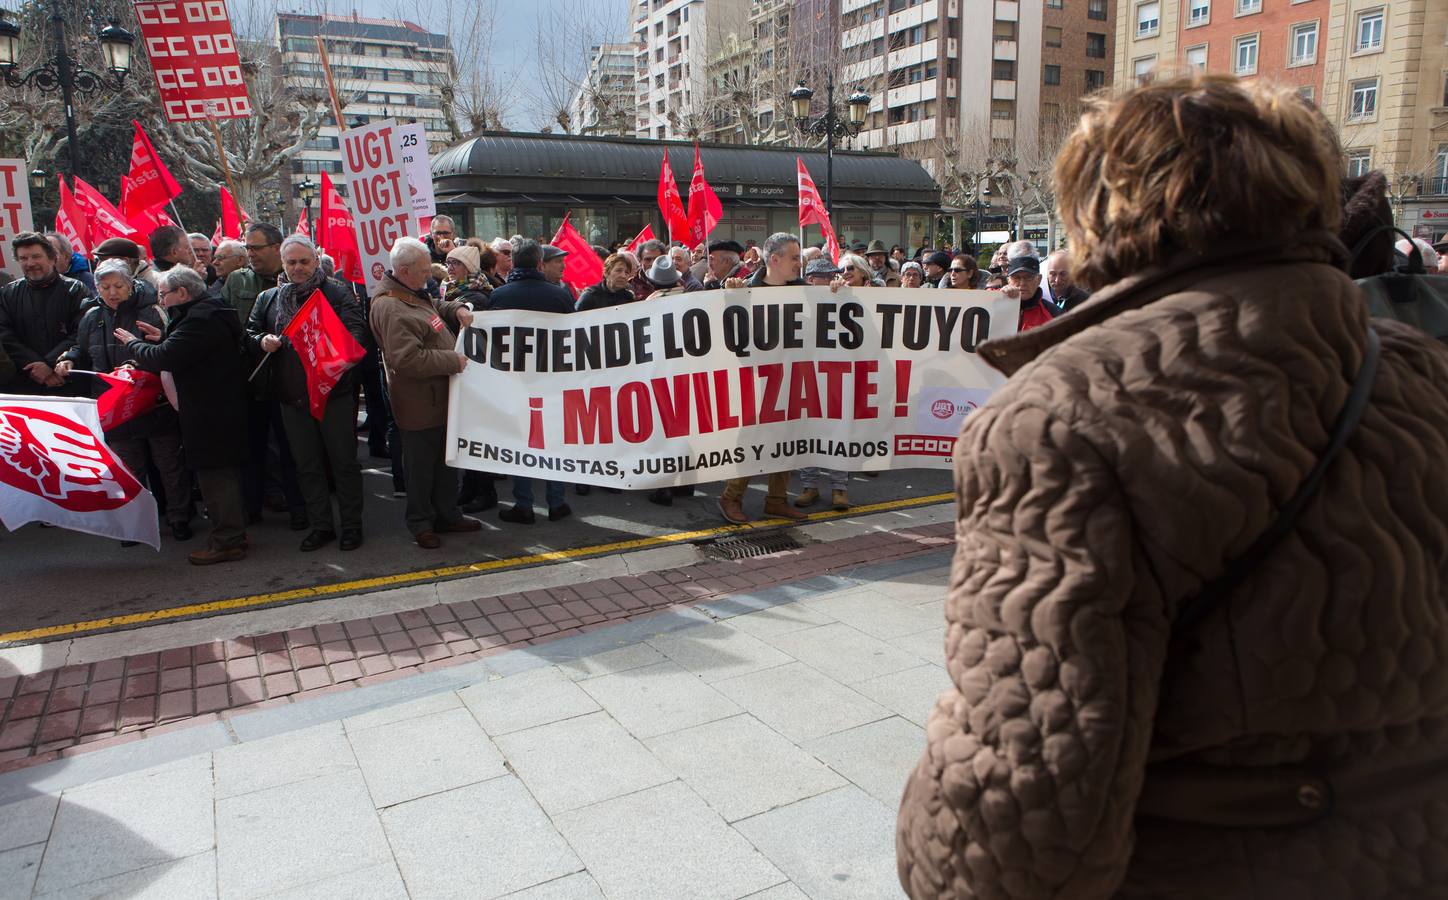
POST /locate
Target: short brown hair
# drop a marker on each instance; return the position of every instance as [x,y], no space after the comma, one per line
[620,257]
[1181,163]
[969,261]
[33,239]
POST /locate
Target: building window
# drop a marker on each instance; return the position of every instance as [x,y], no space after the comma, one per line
[1002,109]
[1095,45]
[1142,67]
[1359,163]
[1445,89]
[1364,99]
[1307,92]
[1245,56]
[1200,13]
[1247,7]
[1055,4]
[1148,19]
[1052,75]
[1304,44]
[1053,36]
[1197,58]
[1096,9]
[1440,171]
[1369,30]
[1095,79]
[1003,70]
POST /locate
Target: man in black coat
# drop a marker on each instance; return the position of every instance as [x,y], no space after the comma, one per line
[332,441]
[39,316]
[201,349]
[527,288]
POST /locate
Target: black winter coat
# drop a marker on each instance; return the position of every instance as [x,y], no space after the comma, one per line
[97,349]
[288,379]
[202,351]
[528,289]
[598,296]
[38,324]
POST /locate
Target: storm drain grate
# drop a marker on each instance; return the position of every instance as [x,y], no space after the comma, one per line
[750,545]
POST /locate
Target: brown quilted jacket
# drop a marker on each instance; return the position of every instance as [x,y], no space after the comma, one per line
[1142,443]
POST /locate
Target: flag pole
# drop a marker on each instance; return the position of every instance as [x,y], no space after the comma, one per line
[177,215]
[221,155]
[331,85]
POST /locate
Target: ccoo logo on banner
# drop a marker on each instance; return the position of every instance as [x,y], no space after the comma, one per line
[55,467]
[720,384]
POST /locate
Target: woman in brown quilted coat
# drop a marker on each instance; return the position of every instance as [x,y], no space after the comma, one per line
[1293,743]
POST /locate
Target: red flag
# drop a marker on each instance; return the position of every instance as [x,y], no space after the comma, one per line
[812,211]
[132,393]
[232,215]
[216,236]
[670,204]
[336,234]
[55,467]
[70,220]
[151,184]
[103,220]
[582,268]
[327,349]
[304,227]
[705,211]
[646,235]
[142,221]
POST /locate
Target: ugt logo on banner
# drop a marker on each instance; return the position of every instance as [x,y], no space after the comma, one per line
[326,348]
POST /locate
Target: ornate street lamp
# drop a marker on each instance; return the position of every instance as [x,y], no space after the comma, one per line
[38,178]
[307,190]
[833,124]
[63,73]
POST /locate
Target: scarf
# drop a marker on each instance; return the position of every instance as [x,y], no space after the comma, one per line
[478,283]
[290,297]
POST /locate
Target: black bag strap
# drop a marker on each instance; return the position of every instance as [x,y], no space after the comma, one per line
[1415,256]
[1211,595]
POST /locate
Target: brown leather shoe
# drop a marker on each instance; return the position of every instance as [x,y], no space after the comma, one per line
[780,509]
[807,497]
[466,523]
[732,511]
[428,540]
[210,556]
[840,499]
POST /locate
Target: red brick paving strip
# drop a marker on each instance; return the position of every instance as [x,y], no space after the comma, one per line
[61,712]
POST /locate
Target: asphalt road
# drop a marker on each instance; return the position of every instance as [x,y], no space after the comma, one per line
[55,577]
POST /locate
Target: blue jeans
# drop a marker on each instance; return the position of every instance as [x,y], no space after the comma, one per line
[523,492]
[811,476]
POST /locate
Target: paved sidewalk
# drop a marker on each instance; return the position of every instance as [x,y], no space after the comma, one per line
[754,746]
[53,712]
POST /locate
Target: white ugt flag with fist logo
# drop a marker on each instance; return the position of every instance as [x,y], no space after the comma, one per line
[55,467]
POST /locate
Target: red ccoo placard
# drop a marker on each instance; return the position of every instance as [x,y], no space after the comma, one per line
[193,55]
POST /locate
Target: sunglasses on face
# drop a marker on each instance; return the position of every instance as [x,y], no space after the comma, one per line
[953,269]
[447,234]
[506,252]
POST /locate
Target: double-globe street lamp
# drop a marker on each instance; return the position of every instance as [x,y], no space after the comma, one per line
[63,73]
[307,190]
[831,125]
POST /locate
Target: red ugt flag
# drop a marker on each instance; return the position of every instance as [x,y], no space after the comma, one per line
[670,203]
[582,268]
[104,220]
[705,211]
[812,211]
[70,220]
[336,234]
[131,393]
[232,216]
[326,347]
[150,182]
[304,228]
[646,235]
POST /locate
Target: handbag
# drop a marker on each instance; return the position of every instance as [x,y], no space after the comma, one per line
[1247,796]
[1411,294]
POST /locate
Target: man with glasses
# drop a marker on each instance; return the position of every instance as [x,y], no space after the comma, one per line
[264,258]
[441,239]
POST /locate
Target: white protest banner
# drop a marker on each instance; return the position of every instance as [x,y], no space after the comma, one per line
[377,189]
[14,210]
[194,57]
[721,384]
[55,467]
[412,142]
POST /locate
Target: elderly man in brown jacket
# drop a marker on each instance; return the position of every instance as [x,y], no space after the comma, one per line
[416,334]
[1105,733]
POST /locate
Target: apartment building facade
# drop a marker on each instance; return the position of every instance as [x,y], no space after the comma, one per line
[1378,70]
[604,102]
[383,68]
[674,41]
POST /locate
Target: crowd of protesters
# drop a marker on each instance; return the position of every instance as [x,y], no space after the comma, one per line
[236,431]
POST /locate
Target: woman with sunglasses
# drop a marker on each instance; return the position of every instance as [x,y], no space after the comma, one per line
[962,273]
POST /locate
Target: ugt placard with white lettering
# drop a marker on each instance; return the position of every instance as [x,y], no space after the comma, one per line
[378,189]
[14,209]
[193,55]
[729,383]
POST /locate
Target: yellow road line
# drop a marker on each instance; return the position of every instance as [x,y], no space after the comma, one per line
[405,578]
